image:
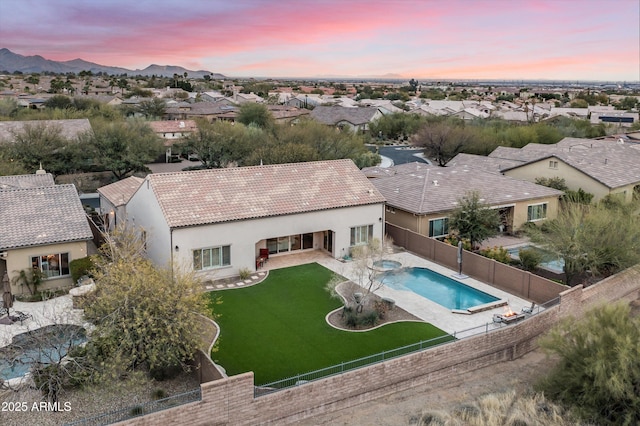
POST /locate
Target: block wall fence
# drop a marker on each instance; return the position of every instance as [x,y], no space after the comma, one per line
[512,280]
[230,401]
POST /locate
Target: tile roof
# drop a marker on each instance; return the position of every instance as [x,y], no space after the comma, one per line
[69,129]
[426,189]
[25,181]
[221,195]
[43,215]
[487,164]
[119,193]
[610,163]
[334,114]
[173,126]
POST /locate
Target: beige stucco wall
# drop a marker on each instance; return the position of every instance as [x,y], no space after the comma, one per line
[420,224]
[573,177]
[20,259]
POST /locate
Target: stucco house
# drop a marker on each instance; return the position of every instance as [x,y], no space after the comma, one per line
[172,131]
[420,197]
[43,226]
[353,119]
[216,221]
[114,198]
[599,167]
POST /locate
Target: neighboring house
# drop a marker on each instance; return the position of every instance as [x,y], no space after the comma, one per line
[624,119]
[206,110]
[114,198]
[305,101]
[599,167]
[353,119]
[172,131]
[241,98]
[283,114]
[69,129]
[43,226]
[216,221]
[420,197]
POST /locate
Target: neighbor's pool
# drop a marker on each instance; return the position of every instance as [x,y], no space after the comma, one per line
[47,344]
[436,287]
[548,261]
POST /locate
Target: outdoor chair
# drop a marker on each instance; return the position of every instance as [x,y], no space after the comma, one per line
[264,254]
[528,309]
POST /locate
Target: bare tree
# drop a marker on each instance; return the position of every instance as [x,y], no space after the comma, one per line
[442,141]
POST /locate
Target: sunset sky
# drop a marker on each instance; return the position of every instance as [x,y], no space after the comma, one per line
[428,39]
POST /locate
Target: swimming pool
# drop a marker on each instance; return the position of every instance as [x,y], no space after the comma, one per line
[436,287]
[47,345]
[548,261]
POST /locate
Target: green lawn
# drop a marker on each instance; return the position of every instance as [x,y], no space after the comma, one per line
[277,329]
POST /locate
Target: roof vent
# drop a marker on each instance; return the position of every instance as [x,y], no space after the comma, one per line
[370,191]
[181,124]
[435,183]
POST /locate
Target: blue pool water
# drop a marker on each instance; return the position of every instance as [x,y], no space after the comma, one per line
[436,287]
[548,262]
[47,344]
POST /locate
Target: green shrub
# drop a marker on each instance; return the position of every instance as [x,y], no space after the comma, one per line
[80,267]
[244,273]
[499,254]
[369,318]
[530,258]
[598,372]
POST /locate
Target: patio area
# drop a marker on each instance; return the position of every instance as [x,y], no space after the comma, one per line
[58,310]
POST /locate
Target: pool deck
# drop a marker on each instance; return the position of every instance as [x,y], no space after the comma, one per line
[54,311]
[432,312]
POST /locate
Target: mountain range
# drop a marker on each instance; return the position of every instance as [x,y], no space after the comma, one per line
[11,62]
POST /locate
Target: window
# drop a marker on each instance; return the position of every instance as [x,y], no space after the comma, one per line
[537,212]
[52,265]
[439,227]
[390,209]
[214,257]
[290,243]
[361,235]
[553,164]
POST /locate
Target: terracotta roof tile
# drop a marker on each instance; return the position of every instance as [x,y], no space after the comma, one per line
[221,195]
[25,181]
[431,189]
[44,215]
[119,193]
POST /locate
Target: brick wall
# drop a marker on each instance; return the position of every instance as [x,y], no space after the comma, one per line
[230,401]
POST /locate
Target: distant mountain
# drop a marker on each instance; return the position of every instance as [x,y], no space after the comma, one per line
[12,62]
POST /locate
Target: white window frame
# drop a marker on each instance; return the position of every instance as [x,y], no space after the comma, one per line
[533,208]
[360,235]
[446,227]
[553,164]
[221,258]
